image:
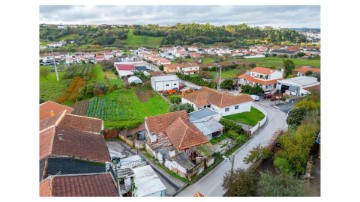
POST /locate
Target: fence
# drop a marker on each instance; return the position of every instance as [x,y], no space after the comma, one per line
[262,122]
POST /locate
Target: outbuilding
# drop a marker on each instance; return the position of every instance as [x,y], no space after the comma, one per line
[168,82]
[134,79]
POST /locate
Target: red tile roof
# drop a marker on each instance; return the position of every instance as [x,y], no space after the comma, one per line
[79,185]
[81,123]
[51,121]
[125,67]
[206,96]
[262,70]
[47,107]
[171,66]
[72,143]
[160,123]
[184,135]
[259,81]
[46,141]
[304,69]
[313,88]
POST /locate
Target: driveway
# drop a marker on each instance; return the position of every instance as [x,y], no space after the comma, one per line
[172,184]
[210,185]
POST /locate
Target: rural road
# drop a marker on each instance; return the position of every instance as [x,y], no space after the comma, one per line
[210,185]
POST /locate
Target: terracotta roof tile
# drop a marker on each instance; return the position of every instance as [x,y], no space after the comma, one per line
[79,185]
[183,134]
[262,70]
[206,96]
[46,142]
[81,145]
[81,123]
[47,107]
[259,81]
[304,69]
[313,88]
[51,121]
[160,123]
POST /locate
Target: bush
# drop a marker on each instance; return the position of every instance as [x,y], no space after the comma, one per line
[231,126]
[175,99]
[296,116]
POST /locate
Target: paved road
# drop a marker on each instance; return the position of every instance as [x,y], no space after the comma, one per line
[210,185]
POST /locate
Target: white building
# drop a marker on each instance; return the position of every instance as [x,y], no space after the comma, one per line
[161,83]
[147,183]
[264,77]
[297,86]
[223,103]
[188,68]
[134,79]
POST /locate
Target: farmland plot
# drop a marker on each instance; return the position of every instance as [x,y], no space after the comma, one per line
[81,108]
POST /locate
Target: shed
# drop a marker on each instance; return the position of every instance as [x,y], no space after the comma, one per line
[147,183]
[134,79]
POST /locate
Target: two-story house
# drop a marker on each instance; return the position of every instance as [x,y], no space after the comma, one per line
[188,68]
[264,77]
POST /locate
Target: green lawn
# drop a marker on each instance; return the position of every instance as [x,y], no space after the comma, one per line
[233,73]
[50,88]
[207,60]
[277,62]
[250,118]
[98,72]
[123,108]
[137,40]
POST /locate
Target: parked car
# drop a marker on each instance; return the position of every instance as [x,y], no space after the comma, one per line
[267,96]
[255,97]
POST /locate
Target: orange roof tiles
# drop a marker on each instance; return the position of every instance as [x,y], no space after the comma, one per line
[262,70]
[171,66]
[79,185]
[47,107]
[304,69]
[183,134]
[81,123]
[46,142]
[206,96]
[51,121]
[259,81]
[160,123]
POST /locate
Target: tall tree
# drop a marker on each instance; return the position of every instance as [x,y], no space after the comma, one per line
[280,185]
[289,67]
[240,183]
[227,84]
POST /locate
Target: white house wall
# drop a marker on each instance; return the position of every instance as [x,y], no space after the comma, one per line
[183,101]
[161,85]
[244,107]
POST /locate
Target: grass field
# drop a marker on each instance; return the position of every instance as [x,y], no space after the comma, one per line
[233,73]
[250,118]
[207,60]
[98,72]
[147,41]
[50,88]
[277,62]
[123,109]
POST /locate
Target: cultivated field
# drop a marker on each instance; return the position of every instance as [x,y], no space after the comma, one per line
[50,88]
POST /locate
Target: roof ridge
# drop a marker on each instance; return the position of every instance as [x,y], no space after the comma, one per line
[83,116]
[50,184]
[187,127]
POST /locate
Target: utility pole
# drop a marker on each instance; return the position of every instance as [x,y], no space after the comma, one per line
[232,159]
[56,72]
[219,78]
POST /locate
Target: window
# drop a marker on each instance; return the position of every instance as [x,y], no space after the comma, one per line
[167,84]
[227,109]
[237,107]
[174,84]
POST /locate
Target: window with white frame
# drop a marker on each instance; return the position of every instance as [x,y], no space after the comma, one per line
[237,107]
[227,109]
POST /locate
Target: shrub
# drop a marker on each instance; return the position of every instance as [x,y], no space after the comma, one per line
[175,99]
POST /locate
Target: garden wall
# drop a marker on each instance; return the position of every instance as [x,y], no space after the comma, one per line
[262,122]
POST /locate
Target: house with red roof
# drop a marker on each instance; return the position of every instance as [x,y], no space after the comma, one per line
[85,185]
[69,143]
[221,102]
[175,142]
[189,68]
[302,70]
[264,77]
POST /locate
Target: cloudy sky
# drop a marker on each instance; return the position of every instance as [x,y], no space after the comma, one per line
[276,16]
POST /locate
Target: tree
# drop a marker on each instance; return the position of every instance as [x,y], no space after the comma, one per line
[240,183]
[308,73]
[289,67]
[258,153]
[227,84]
[44,72]
[296,116]
[300,54]
[245,88]
[255,90]
[280,185]
[175,99]
[252,65]
[161,67]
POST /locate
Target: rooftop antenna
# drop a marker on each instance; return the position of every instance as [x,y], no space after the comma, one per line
[56,72]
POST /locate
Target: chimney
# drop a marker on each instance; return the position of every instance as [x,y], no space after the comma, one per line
[61,137]
[52,113]
[172,153]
